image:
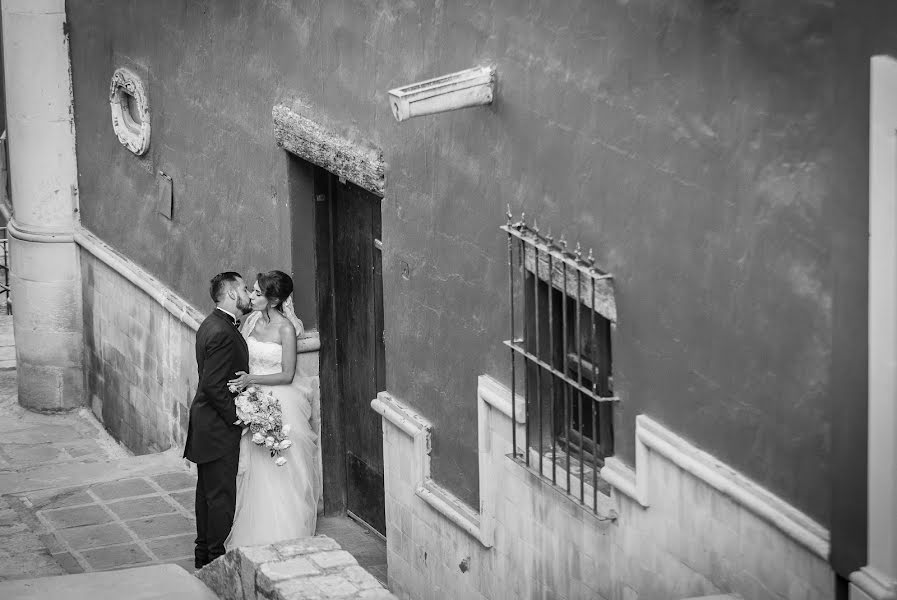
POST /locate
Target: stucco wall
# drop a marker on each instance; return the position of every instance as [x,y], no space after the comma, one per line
[683,140]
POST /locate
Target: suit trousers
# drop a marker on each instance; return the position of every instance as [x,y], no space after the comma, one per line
[216,498]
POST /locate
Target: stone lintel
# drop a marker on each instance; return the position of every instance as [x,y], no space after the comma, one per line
[362,165]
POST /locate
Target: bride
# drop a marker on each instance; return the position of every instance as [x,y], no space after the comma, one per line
[275,503]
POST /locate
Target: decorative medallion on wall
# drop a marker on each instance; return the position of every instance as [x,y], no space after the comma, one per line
[130,111]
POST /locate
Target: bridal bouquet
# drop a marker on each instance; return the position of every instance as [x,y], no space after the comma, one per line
[260,412]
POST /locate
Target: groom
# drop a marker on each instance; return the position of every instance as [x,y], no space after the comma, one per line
[213,440]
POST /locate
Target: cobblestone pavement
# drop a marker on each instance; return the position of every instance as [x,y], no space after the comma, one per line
[73,501]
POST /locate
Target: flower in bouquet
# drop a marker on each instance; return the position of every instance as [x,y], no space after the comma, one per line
[260,412]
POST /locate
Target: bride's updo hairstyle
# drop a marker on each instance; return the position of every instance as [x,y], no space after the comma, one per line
[276,286]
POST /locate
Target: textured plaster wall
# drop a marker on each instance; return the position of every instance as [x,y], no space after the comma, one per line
[685,141]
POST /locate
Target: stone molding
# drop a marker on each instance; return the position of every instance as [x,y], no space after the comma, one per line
[874,584]
[476,524]
[651,436]
[363,166]
[185,312]
[31,233]
[128,269]
[471,87]
[126,87]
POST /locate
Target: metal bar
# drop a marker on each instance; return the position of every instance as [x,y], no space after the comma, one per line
[564,378]
[516,347]
[553,382]
[513,357]
[539,354]
[594,357]
[582,429]
[536,243]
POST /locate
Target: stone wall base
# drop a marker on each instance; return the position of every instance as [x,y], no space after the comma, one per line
[313,567]
[533,540]
[140,365]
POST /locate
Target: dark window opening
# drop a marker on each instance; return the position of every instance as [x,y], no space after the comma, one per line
[565,355]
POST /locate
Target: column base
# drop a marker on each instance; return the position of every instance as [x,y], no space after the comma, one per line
[870,584]
[47,323]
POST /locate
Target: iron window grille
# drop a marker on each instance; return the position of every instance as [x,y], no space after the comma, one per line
[565,354]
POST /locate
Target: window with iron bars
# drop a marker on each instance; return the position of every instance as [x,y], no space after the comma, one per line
[563,305]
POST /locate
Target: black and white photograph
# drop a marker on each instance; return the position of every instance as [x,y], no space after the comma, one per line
[448,299]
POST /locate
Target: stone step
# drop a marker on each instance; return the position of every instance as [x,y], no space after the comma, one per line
[140,583]
[75,473]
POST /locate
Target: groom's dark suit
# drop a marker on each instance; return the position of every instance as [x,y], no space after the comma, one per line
[213,440]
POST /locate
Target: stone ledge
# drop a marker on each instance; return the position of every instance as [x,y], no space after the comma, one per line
[305,568]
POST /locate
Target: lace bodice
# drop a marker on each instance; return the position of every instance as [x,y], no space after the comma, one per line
[264,357]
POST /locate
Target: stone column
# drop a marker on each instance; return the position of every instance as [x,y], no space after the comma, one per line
[878,579]
[45,272]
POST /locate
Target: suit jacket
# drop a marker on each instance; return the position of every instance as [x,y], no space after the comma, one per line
[221,351]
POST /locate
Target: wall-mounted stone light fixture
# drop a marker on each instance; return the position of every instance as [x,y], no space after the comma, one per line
[472,87]
[130,111]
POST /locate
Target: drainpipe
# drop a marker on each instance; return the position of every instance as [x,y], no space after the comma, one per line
[44,269]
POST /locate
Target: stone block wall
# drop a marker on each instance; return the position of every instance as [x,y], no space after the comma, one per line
[305,568]
[140,367]
[692,540]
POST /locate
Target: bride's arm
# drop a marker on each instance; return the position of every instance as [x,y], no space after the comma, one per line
[288,362]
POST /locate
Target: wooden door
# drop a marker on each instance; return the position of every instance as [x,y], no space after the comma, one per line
[350,283]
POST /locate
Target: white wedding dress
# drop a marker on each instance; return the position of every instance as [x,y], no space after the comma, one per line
[276,503]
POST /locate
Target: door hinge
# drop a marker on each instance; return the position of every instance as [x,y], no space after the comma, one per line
[378,244]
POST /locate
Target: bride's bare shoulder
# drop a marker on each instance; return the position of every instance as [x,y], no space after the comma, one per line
[285,328]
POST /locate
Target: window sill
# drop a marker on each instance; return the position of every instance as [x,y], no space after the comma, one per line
[588,490]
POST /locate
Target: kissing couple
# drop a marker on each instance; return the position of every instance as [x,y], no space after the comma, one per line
[242,497]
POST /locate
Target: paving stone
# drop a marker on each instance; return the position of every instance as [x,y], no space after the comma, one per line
[30,454]
[123,489]
[82,449]
[141,507]
[36,434]
[173,547]
[51,543]
[20,542]
[186,499]
[115,556]
[29,564]
[175,481]
[379,572]
[94,536]
[375,594]
[161,526]
[68,562]
[76,517]
[65,499]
